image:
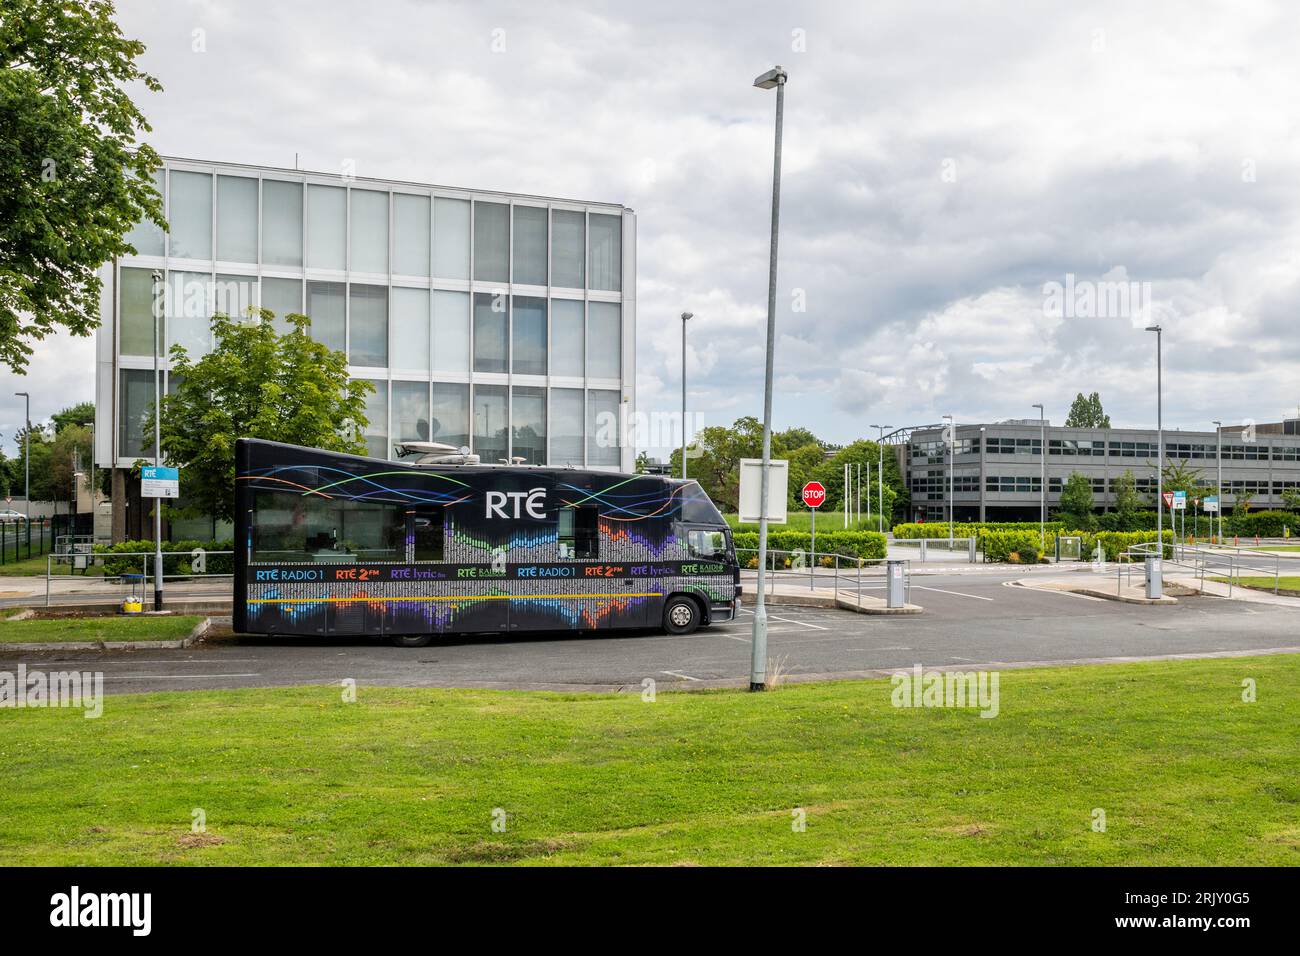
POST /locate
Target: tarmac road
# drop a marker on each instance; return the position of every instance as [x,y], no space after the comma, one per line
[974,619]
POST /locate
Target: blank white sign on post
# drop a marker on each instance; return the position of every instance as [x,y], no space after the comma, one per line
[778,479]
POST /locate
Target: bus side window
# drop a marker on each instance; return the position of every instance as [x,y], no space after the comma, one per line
[579,537]
[426,535]
[706,544]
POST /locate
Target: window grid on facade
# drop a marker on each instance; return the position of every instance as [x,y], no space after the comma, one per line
[391,276]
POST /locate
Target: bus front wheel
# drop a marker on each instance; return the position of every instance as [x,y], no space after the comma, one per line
[681,615]
[410,640]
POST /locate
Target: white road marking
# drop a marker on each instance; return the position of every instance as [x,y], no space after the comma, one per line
[977,597]
[789,620]
[173,676]
[1015,584]
[235,660]
[682,676]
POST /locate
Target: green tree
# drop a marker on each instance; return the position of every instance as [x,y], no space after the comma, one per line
[69,453]
[255,383]
[806,456]
[42,475]
[1179,475]
[78,414]
[1128,502]
[862,453]
[1086,412]
[642,463]
[1291,499]
[1241,502]
[74,177]
[1076,503]
[713,459]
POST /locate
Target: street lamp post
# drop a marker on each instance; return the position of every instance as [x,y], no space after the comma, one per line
[772,79]
[880,475]
[27,464]
[1160,446]
[1218,481]
[157,440]
[1042,479]
[686,317]
[951,436]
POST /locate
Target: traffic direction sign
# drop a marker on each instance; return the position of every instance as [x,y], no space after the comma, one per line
[814,494]
[1180,501]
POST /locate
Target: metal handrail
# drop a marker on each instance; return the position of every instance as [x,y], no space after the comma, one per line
[851,584]
[1199,560]
[145,556]
[968,543]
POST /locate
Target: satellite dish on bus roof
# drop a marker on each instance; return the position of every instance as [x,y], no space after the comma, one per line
[434,453]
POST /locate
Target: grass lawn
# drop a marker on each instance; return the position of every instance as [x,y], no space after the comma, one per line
[1265,583]
[1185,771]
[163,628]
[801,520]
[1286,548]
[35,567]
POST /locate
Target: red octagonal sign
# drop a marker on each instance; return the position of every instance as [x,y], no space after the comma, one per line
[814,494]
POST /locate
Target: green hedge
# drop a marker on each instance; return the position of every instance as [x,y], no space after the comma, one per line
[1024,545]
[178,563]
[967,529]
[1113,543]
[1266,524]
[1001,545]
[860,544]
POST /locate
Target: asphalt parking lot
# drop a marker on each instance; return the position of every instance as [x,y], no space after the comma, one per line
[973,619]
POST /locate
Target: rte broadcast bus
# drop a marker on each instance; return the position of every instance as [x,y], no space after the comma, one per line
[437,543]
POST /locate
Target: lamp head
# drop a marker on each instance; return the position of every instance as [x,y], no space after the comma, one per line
[772,78]
[687,316]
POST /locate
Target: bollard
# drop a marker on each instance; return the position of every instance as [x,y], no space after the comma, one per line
[1155,580]
[894,584]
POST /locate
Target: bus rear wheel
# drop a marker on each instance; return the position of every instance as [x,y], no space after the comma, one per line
[410,640]
[681,615]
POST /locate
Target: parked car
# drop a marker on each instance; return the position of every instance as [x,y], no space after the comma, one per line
[8,514]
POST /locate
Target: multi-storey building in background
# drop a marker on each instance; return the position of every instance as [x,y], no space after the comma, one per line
[497,321]
[997,467]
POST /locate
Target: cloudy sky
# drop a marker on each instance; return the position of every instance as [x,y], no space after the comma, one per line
[945,163]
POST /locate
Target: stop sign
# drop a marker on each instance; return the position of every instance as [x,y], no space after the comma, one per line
[814,494]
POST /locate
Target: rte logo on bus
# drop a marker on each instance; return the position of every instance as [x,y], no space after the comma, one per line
[534,502]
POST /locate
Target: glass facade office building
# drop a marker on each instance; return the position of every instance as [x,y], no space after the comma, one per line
[498,321]
[997,468]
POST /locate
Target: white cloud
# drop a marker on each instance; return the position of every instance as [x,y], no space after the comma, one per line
[1083,140]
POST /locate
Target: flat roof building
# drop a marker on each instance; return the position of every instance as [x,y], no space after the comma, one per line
[500,321]
[996,471]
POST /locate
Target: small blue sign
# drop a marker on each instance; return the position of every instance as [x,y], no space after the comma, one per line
[159,481]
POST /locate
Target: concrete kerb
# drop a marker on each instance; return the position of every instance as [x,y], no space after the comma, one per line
[810,598]
[1127,595]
